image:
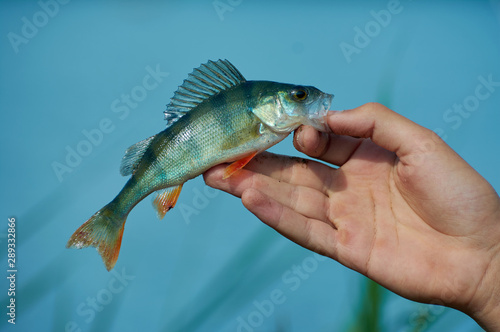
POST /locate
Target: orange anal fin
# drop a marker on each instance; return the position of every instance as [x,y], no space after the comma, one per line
[166,199]
[238,164]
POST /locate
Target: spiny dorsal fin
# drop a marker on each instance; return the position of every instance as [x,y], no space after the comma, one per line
[205,81]
[133,156]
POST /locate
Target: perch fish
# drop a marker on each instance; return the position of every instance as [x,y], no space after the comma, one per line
[215,116]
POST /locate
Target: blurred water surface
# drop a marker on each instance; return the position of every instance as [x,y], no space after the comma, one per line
[74,91]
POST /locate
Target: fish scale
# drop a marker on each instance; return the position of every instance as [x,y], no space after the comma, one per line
[214,117]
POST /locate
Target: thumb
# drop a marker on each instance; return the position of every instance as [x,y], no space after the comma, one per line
[384,127]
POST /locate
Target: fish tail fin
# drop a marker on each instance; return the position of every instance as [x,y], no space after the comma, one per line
[104,230]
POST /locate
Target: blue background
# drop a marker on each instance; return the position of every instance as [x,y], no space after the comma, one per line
[210,265]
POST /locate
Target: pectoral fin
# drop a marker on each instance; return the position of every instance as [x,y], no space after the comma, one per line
[166,199]
[238,164]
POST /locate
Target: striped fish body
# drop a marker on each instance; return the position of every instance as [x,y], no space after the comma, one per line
[216,116]
[221,129]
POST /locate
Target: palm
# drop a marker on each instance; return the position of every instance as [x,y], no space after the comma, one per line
[398,225]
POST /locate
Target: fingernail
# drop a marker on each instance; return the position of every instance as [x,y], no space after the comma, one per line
[319,142]
[299,138]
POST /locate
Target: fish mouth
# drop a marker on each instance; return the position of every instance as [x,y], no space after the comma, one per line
[318,111]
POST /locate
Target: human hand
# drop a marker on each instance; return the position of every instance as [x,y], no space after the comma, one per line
[402,208]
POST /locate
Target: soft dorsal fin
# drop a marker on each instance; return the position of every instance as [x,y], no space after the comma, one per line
[133,156]
[205,81]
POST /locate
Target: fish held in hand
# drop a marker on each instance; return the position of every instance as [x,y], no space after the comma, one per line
[215,116]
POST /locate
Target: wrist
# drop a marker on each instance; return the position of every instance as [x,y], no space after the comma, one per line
[488,317]
[486,308]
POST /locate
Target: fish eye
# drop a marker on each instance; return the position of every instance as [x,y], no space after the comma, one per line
[299,94]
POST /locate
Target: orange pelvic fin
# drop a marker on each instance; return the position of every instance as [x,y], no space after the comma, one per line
[238,164]
[104,230]
[166,199]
